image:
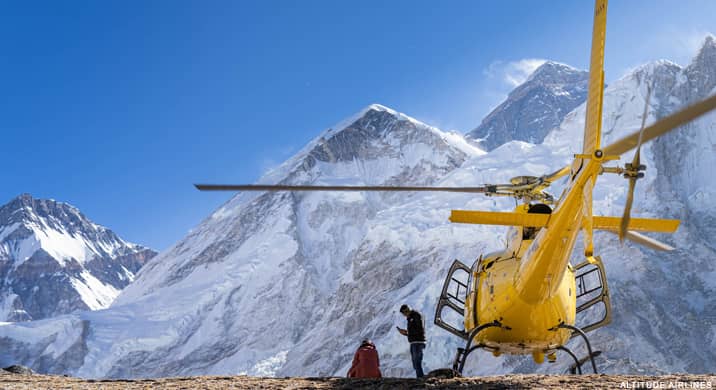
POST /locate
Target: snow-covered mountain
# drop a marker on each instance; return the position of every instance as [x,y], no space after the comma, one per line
[289,283]
[533,108]
[53,260]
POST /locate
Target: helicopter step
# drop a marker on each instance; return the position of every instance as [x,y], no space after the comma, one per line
[594,308]
[453,297]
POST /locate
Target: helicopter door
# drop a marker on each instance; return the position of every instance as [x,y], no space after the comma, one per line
[593,307]
[453,297]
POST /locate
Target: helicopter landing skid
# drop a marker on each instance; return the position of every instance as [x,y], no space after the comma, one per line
[577,366]
[462,353]
[574,367]
[586,341]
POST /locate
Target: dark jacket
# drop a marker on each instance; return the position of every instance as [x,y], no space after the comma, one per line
[416,327]
[366,363]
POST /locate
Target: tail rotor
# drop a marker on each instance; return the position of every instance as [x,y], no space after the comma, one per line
[633,172]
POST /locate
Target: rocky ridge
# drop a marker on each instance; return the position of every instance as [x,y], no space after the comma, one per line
[533,108]
[53,260]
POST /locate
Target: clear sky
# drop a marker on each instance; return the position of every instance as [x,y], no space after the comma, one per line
[117,107]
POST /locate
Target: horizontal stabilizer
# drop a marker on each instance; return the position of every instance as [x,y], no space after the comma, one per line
[637,224]
[499,218]
[540,220]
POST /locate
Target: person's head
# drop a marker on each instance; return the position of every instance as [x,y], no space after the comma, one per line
[366,342]
[405,310]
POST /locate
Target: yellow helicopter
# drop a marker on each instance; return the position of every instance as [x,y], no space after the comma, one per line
[526,298]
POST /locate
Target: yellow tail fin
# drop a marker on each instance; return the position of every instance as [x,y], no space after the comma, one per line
[593,121]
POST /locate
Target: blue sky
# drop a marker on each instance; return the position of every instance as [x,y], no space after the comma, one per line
[118,107]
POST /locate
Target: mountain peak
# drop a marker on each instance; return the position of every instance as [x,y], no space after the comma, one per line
[701,73]
[27,207]
[376,108]
[554,66]
[555,72]
[22,200]
[59,260]
[379,107]
[345,123]
[346,140]
[535,107]
[374,127]
[707,53]
[376,119]
[24,197]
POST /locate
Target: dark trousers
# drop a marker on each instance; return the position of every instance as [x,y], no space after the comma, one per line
[416,352]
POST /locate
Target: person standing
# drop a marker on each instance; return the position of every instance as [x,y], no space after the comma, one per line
[366,363]
[416,337]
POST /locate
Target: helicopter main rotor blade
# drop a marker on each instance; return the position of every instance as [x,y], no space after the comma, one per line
[488,189]
[491,189]
[661,127]
[556,174]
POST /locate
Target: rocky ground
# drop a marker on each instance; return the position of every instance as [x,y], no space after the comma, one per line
[678,381]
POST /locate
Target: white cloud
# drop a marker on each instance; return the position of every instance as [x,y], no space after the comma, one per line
[513,73]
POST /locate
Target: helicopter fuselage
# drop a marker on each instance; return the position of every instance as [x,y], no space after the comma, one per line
[529,287]
[493,297]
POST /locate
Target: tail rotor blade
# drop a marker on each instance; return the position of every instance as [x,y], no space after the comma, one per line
[627,210]
[648,242]
[635,165]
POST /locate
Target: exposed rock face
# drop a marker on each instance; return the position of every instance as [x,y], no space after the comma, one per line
[22,370]
[53,260]
[686,157]
[535,107]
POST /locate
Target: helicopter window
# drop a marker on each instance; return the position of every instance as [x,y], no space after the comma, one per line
[539,208]
[488,265]
[529,232]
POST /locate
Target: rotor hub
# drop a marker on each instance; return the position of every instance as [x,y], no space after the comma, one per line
[634,171]
[524,180]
